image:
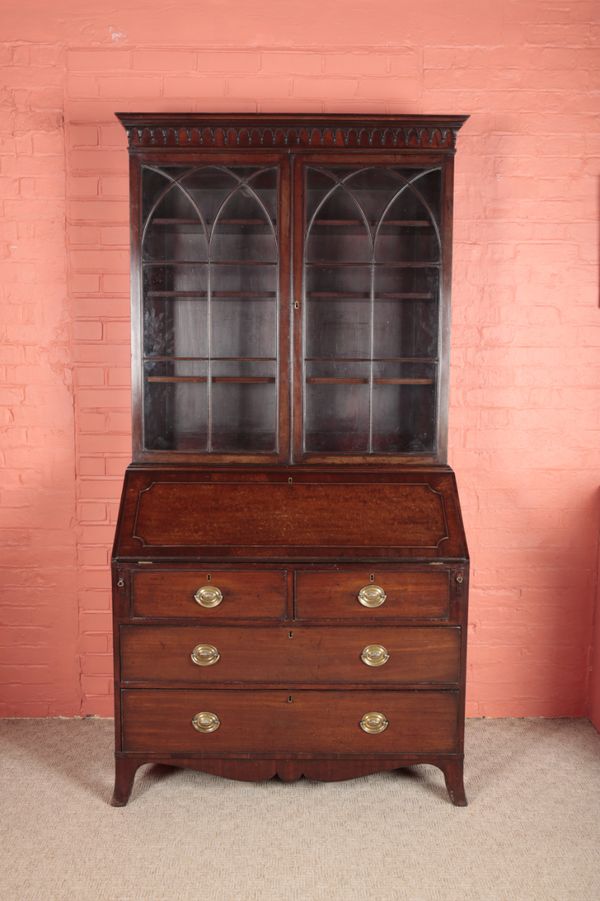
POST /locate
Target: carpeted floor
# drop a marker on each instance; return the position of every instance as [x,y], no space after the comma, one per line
[532,830]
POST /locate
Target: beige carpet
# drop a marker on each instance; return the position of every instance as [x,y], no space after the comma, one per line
[532,830]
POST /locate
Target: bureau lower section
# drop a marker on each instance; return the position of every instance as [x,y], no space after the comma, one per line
[322,659]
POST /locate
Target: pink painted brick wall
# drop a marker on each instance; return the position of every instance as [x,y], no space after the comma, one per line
[525,412]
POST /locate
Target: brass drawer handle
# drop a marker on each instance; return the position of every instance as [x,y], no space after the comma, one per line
[205,655]
[375,655]
[374,723]
[371,596]
[206,721]
[208,596]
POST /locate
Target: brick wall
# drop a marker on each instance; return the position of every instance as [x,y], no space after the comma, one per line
[524,419]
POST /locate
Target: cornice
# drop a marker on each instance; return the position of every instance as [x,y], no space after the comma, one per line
[386,133]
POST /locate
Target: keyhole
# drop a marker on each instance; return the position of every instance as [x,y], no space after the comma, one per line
[290,700]
[371,577]
[208,577]
[290,634]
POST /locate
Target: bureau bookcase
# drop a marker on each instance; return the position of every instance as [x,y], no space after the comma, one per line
[290,571]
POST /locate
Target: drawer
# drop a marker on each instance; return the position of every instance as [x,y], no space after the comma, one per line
[277,722]
[237,594]
[426,655]
[408,594]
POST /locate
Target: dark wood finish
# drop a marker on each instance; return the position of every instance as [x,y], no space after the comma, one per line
[247,594]
[266,722]
[279,655]
[410,594]
[259,469]
[453,776]
[125,770]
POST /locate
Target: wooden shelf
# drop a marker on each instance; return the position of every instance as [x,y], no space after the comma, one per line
[245,380]
[336,295]
[342,380]
[241,380]
[401,223]
[219,295]
[251,295]
[187,294]
[162,220]
[394,381]
[405,295]
[169,262]
[370,360]
[364,295]
[153,263]
[176,378]
[335,380]
[243,263]
[378,264]
[173,359]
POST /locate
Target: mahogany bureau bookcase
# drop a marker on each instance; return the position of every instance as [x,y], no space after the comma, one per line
[290,570]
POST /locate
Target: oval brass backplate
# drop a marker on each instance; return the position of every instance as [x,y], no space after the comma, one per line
[205,655]
[208,596]
[374,655]
[374,723]
[371,596]
[205,721]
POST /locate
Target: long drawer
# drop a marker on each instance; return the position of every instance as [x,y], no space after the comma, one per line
[219,594]
[375,654]
[360,595]
[280,722]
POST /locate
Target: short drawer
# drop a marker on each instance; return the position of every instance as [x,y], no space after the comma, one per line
[279,722]
[220,594]
[410,654]
[353,594]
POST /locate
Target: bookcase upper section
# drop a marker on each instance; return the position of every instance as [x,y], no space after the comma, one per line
[290,287]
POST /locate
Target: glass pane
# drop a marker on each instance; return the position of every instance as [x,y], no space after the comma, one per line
[244,327]
[175,405]
[243,229]
[371,283]
[337,408]
[337,311]
[210,292]
[244,406]
[175,327]
[338,328]
[339,231]
[174,228]
[404,399]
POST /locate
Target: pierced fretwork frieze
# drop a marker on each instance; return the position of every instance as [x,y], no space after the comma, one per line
[406,136]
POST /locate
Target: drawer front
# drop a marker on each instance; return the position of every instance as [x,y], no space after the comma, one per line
[408,594]
[277,722]
[423,655]
[245,594]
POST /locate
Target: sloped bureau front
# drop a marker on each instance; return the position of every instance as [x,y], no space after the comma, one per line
[411,516]
[267,513]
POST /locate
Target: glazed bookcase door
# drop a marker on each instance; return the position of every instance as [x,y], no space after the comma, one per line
[213,309]
[369,276]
